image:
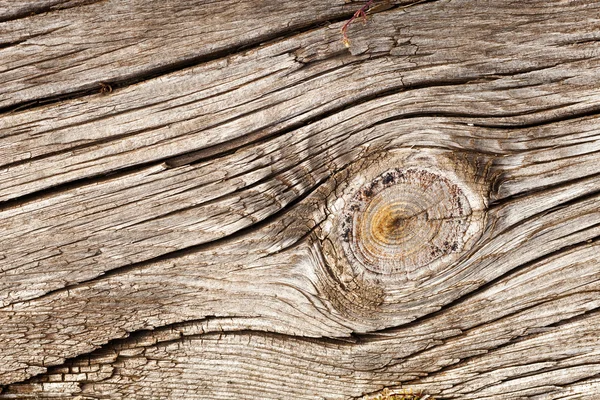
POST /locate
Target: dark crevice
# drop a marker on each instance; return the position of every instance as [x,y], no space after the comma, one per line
[74,184]
[9,44]
[132,339]
[85,122]
[500,202]
[584,229]
[251,139]
[34,9]
[582,380]
[218,242]
[526,336]
[139,336]
[176,66]
[152,73]
[349,61]
[481,289]
[545,388]
[255,137]
[243,231]
[571,202]
[30,104]
[574,156]
[77,148]
[575,318]
[233,193]
[518,339]
[591,111]
[473,115]
[365,337]
[129,338]
[173,67]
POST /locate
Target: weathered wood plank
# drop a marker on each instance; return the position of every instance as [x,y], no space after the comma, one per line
[193,205]
[147,288]
[186,236]
[412,356]
[187,111]
[76,49]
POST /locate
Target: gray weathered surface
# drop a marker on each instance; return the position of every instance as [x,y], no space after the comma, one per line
[182,236]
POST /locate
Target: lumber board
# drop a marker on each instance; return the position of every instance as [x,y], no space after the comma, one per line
[184,192]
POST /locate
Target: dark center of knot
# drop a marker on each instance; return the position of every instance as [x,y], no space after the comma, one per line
[404,220]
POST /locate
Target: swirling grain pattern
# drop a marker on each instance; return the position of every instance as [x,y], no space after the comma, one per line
[403,220]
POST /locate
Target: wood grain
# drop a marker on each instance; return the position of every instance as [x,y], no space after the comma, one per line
[188,234]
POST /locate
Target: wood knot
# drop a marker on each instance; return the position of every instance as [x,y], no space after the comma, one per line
[403,220]
[399,223]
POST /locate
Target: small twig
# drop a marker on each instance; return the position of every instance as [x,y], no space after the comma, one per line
[361,13]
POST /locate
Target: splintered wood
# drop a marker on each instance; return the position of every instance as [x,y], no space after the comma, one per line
[212,200]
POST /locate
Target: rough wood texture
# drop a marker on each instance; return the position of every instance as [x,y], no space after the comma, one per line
[254,211]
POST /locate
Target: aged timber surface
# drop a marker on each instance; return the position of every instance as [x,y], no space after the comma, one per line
[218,199]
